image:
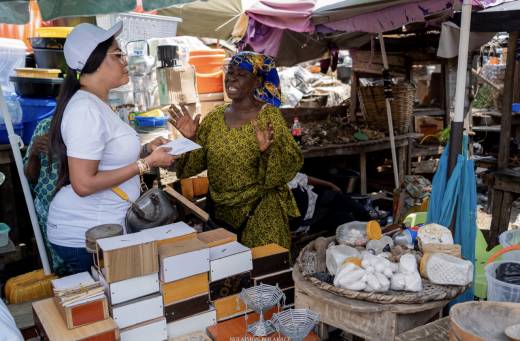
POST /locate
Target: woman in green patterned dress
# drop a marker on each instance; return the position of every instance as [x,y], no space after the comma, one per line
[43,176]
[248,152]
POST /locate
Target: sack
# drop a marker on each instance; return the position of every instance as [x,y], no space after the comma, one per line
[151,209]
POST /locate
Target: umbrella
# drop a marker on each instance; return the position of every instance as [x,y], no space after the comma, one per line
[208,18]
[17,11]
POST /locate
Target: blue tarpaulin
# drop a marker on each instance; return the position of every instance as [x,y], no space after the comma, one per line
[456,195]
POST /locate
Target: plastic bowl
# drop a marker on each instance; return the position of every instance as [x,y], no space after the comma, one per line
[37,87]
[509,238]
[500,291]
[50,59]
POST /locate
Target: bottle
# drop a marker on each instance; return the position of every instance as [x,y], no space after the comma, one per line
[296,130]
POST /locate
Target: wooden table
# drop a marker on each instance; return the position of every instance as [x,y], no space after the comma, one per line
[362,148]
[371,321]
[235,329]
[506,185]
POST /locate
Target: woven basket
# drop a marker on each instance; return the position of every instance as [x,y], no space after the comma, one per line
[430,292]
[373,106]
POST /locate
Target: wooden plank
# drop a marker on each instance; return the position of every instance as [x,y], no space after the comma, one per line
[420,150]
[435,331]
[497,87]
[363,172]
[189,307]
[401,163]
[217,237]
[187,203]
[22,314]
[496,219]
[353,95]
[505,135]
[425,167]
[185,288]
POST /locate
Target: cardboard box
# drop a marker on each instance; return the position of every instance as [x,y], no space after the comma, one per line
[137,311]
[83,314]
[185,288]
[428,125]
[229,286]
[228,260]
[51,325]
[192,306]
[282,278]
[150,330]
[172,233]
[217,237]
[192,324]
[229,307]
[183,259]
[268,259]
[130,289]
[127,256]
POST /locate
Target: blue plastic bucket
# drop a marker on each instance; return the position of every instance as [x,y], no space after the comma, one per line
[34,110]
[18,130]
[150,121]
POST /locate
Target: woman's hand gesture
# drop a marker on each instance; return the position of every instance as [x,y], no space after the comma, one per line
[264,137]
[182,121]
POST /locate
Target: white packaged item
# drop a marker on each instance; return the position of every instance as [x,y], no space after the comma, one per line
[150,330]
[228,260]
[353,233]
[444,269]
[192,324]
[12,56]
[434,234]
[134,312]
[337,254]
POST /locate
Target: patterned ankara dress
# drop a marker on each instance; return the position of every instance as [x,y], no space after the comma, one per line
[239,174]
[44,190]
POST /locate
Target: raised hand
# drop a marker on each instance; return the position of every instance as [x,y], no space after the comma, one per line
[264,137]
[182,121]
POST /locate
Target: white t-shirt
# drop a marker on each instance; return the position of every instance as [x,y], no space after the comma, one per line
[92,131]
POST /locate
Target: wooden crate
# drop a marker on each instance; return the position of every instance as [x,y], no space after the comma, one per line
[268,259]
[229,307]
[228,260]
[51,325]
[217,237]
[185,288]
[192,324]
[130,289]
[192,306]
[83,314]
[137,311]
[127,256]
[183,259]
[172,233]
[150,330]
[230,285]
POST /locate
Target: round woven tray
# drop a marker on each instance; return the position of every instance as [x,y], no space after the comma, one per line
[430,292]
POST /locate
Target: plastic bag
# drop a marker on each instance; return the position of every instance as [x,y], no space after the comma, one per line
[509,273]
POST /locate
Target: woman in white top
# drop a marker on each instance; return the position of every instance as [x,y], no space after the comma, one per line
[94,148]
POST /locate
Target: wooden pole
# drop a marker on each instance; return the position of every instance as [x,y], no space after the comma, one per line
[505,129]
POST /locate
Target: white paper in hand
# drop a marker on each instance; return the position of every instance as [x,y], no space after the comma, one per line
[181,145]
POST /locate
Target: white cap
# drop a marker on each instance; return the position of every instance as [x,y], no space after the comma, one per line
[83,40]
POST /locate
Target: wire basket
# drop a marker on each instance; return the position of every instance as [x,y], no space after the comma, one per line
[373,105]
[295,324]
[260,298]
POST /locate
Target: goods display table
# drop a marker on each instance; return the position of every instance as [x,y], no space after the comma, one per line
[372,321]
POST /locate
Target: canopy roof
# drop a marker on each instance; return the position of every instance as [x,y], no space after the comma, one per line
[17,11]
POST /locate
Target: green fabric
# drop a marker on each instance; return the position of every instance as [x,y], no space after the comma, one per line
[14,12]
[239,174]
[44,190]
[202,18]
[17,12]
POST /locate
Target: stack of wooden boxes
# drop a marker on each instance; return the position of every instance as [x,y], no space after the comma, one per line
[127,266]
[184,267]
[78,311]
[271,266]
[230,272]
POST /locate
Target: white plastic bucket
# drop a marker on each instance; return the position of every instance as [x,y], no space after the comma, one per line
[509,238]
[498,290]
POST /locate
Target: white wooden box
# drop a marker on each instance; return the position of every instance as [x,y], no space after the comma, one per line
[154,330]
[183,259]
[171,233]
[228,260]
[130,289]
[192,324]
[134,312]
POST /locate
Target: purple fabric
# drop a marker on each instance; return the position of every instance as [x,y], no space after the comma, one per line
[262,38]
[294,16]
[391,18]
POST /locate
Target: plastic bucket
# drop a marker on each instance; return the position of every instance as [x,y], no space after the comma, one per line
[507,239]
[34,110]
[208,64]
[194,53]
[18,130]
[498,290]
[210,83]
[4,234]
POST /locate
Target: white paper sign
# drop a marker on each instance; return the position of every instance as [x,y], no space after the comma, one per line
[181,145]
